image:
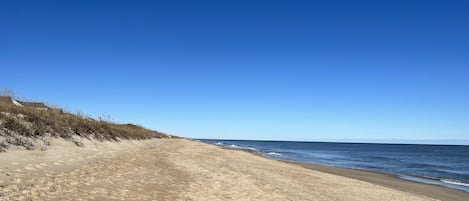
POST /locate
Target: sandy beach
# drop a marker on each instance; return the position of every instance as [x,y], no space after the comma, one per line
[179,169]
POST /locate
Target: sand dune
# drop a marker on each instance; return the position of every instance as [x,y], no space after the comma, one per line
[171,169]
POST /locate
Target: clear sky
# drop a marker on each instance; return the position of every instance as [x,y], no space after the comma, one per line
[285,70]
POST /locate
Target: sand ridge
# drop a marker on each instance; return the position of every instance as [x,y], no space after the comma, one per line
[171,169]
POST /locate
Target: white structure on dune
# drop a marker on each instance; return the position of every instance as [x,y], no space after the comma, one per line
[35,105]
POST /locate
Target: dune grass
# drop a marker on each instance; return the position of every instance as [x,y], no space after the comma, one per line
[23,122]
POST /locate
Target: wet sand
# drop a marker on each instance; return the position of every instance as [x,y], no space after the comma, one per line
[392,181]
[173,169]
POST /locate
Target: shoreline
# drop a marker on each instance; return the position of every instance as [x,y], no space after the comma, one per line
[379,178]
[390,181]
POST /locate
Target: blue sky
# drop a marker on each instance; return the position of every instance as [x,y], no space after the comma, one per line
[288,70]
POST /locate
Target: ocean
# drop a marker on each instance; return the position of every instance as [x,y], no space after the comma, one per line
[445,165]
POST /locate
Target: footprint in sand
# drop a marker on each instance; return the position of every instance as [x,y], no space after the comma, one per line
[29,168]
[15,163]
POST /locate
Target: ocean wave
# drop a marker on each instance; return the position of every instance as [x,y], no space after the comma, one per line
[219,143]
[455,182]
[232,146]
[274,153]
[447,181]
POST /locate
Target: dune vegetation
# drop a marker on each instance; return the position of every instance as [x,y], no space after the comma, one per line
[31,127]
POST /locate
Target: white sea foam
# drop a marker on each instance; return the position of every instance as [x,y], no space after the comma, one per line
[455,182]
[274,153]
[250,148]
[219,143]
[232,146]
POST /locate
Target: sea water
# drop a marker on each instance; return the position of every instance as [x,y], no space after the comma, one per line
[445,165]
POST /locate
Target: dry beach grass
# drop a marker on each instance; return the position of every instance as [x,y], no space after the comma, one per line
[30,128]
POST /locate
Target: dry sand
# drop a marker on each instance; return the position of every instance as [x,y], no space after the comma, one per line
[171,169]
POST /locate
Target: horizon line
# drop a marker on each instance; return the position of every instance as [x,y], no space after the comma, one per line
[455,142]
